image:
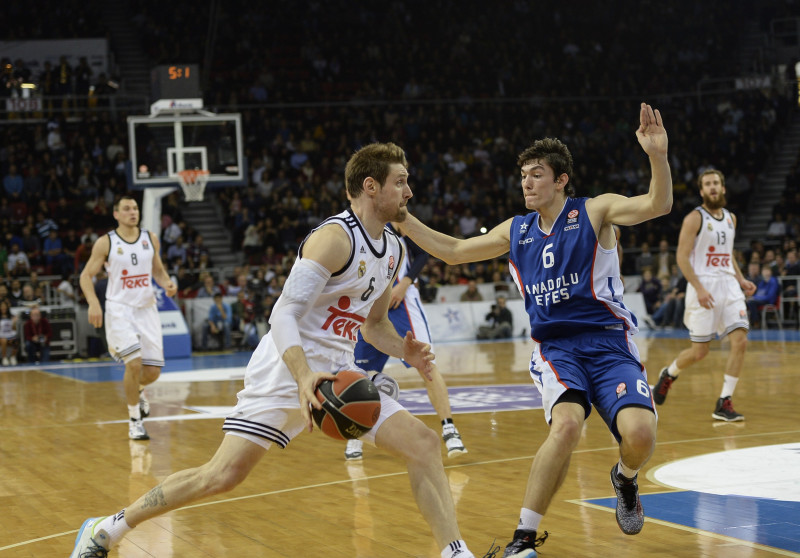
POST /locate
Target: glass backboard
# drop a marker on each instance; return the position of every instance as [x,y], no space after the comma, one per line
[163,145]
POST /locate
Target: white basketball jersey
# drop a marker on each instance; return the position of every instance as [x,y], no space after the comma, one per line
[712,254]
[130,267]
[330,327]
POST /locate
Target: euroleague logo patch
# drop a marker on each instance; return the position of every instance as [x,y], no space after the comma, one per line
[572,219]
[622,390]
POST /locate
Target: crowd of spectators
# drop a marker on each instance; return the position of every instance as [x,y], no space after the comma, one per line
[463,99]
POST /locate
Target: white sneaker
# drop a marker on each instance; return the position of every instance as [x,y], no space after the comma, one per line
[13,360]
[144,404]
[354,450]
[6,361]
[136,430]
[91,543]
[452,440]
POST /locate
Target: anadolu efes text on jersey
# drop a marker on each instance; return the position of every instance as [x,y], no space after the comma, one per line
[345,301]
[568,281]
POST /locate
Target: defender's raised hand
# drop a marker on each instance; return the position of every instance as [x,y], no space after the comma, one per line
[651,133]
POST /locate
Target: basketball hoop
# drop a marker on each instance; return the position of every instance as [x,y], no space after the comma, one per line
[193,182]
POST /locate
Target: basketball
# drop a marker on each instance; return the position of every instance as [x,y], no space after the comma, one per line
[351,405]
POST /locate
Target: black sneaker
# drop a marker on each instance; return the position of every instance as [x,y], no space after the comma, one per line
[724,411]
[662,387]
[630,515]
[524,544]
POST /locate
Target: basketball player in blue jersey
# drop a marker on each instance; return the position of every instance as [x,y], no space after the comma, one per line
[407,314]
[564,259]
[341,282]
[715,292]
[133,328]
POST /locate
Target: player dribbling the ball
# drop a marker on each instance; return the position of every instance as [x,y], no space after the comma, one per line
[340,283]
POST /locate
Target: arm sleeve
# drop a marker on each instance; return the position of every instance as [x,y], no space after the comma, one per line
[302,288]
[418,258]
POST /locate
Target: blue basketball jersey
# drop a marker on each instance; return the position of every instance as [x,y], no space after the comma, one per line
[569,282]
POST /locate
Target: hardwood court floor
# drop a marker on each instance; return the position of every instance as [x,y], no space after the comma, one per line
[62,459]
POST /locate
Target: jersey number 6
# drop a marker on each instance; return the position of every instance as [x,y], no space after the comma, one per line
[547,257]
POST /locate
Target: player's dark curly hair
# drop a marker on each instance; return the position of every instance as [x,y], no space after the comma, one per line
[555,154]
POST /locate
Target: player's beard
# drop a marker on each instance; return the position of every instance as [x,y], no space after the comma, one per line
[714,204]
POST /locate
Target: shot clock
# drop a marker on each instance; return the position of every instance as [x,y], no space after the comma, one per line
[175,81]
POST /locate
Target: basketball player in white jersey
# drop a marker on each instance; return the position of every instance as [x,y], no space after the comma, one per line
[340,283]
[133,329]
[407,314]
[715,303]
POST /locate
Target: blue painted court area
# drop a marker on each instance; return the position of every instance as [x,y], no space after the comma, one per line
[774,523]
[753,334]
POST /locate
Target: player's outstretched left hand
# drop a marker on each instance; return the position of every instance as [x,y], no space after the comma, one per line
[418,354]
[651,133]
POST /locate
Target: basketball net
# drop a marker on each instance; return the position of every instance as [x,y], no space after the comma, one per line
[193,182]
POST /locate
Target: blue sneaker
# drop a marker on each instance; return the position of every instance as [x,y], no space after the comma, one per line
[90,543]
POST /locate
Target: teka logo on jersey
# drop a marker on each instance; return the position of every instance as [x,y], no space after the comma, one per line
[134,281]
[717,260]
[344,324]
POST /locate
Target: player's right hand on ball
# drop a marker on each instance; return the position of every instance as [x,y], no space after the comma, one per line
[308,398]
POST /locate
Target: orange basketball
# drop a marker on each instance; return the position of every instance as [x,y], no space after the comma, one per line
[351,405]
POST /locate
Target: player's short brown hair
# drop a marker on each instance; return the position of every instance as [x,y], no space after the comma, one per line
[371,161]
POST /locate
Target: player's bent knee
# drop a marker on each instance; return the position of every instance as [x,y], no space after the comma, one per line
[699,353]
[150,374]
[637,428]
[422,444]
[640,437]
[566,430]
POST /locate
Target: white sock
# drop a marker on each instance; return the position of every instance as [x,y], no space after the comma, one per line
[728,386]
[457,549]
[529,520]
[673,369]
[115,526]
[135,412]
[626,471]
